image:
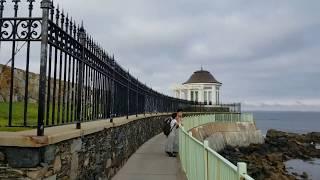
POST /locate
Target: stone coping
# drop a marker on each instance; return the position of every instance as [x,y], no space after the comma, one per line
[57,134]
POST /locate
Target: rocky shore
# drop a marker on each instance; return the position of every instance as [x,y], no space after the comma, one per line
[267,161]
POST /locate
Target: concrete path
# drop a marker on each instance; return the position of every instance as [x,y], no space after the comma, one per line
[150,162]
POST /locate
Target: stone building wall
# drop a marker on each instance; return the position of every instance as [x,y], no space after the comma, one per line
[95,156]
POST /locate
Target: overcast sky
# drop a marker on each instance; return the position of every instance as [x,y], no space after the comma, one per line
[266,53]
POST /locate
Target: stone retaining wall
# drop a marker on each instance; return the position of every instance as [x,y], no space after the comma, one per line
[95,156]
[221,134]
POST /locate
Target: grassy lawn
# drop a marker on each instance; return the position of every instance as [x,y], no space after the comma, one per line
[17,115]
[13,129]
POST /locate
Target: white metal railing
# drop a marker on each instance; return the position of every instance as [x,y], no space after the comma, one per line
[194,121]
[199,161]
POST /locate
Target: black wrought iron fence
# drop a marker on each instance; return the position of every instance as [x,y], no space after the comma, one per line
[75,80]
[72,80]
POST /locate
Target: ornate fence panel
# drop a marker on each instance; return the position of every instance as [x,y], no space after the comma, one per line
[16,85]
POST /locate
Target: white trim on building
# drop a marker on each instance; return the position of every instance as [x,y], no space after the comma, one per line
[207,93]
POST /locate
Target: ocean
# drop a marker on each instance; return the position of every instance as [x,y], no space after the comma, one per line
[289,121]
[296,122]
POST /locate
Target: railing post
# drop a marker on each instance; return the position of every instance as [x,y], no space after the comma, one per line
[145,104]
[181,146]
[112,103]
[1,15]
[206,162]
[82,36]
[242,169]
[45,6]
[189,163]
[128,94]
[137,99]
[1,8]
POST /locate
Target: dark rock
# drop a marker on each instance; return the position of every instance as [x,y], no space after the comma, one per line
[2,156]
[304,175]
[23,157]
[266,161]
[49,154]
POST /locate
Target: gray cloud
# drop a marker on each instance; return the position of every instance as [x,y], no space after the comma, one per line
[266,53]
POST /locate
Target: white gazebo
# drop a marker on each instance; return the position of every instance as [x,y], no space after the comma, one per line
[201,87]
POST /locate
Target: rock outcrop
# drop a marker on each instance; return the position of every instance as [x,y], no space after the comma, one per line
[266,161]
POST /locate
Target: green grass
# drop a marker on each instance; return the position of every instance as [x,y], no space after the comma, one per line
[17,114]
[13,129]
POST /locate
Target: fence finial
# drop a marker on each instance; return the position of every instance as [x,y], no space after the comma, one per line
[16,6]
[57,14]
[74,29]
[1,7]
[67,22]
[82,25]
[62,18]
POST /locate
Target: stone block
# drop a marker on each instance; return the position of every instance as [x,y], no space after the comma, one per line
[74,166]
[76,145]
[23,157]
[2,156]
[54,177]
[57,164]
[49,173]
[15,172]
[109,163]
[38,174]
[49,154]
[86,162]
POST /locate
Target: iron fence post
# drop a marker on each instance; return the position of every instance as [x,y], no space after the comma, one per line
[112,104]
[128,94]
[137,99]
[13,55]
[1,14]
[145,104]
[26,93]
[45,6]
[82,38]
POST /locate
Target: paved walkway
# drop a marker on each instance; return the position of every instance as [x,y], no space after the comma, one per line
[150,162]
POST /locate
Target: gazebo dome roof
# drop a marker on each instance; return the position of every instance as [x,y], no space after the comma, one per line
[202,76]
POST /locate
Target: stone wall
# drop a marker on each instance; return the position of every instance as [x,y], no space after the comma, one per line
[95,156]
[19,84]
[221,134]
